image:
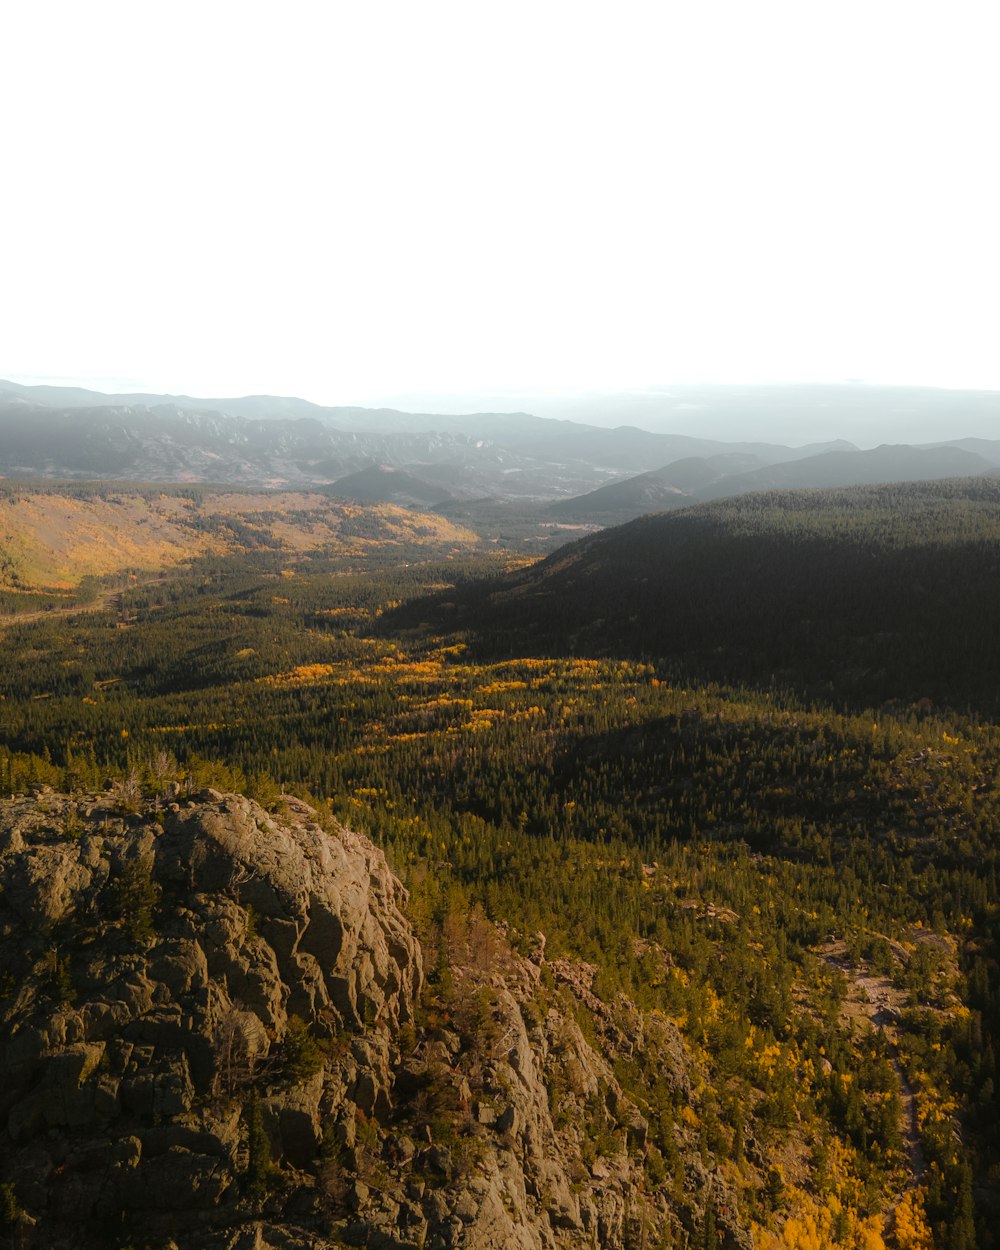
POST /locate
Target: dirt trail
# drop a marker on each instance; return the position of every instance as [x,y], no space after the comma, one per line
[874,999]
[50,614]
[106,601]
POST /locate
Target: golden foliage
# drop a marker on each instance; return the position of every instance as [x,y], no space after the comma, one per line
[54,540]
[832,1226]
[301,675]
[911,1230]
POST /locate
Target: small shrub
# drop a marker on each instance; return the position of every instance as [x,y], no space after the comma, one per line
[10,1208]
[261,1174]
[60,977]
[303,1056]
[136,896]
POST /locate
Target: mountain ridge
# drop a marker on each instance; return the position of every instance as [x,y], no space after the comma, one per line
[698,479]
[66,432]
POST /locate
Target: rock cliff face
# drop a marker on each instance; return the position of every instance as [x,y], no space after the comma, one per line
[212,1036]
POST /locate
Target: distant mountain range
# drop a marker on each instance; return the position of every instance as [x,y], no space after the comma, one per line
[779,412]
[562,472]
[684,482]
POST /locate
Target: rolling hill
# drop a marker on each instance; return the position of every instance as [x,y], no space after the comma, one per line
[52,536]
[685,482]
[670,487]
[854,468]
[863,594]
[381,483]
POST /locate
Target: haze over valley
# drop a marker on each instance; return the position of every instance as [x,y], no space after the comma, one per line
[473,467]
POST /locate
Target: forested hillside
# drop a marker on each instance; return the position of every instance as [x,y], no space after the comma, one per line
[806,891]
[858,596]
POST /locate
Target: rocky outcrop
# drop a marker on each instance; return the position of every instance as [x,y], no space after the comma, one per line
[182,986]
[212,1037]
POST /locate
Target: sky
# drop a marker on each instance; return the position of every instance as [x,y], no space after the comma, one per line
[357,201]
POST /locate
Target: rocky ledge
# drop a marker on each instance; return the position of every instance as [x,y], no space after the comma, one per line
[212,1037]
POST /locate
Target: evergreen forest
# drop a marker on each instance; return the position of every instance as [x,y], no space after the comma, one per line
[741,760]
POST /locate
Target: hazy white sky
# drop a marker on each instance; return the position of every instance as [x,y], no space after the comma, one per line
[351,200]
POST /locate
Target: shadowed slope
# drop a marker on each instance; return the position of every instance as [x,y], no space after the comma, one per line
[863,594]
